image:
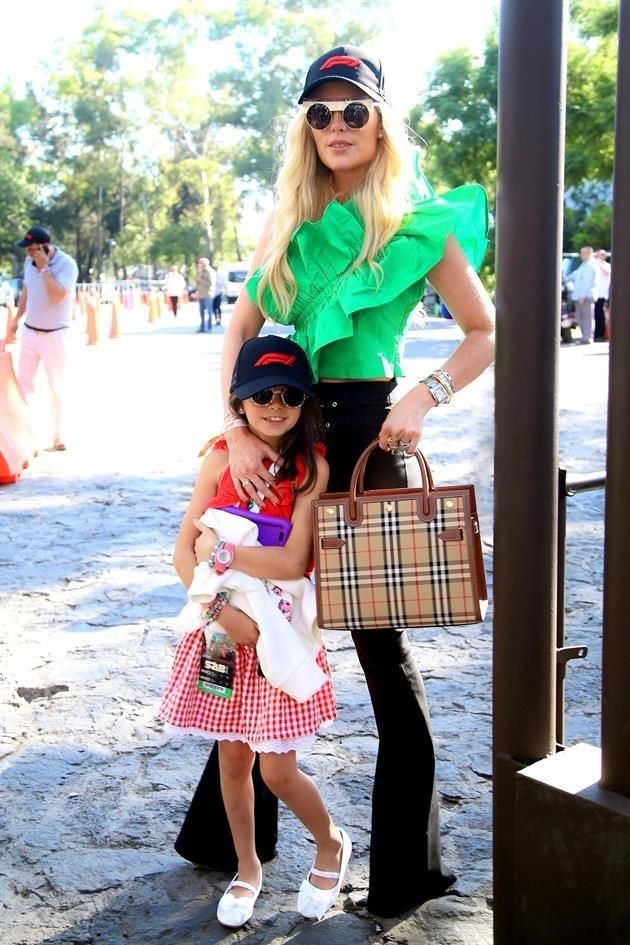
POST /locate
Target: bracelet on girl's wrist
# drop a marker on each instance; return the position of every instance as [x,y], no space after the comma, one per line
[214,609]
[213,553]
[233,424]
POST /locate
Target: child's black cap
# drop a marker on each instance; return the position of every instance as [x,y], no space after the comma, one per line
[269,361]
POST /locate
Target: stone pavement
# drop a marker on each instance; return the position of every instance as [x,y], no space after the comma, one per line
[93,790]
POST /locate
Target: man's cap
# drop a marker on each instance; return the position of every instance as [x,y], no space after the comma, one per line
[35,236]
[268,361]
[350,63]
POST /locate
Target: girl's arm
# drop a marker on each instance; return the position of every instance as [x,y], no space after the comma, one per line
[235,623]
[456,282]
[184,559]
[280,564]
[238,626]
[247,452]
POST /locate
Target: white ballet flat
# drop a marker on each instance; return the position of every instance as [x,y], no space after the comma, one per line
[314,903]
[235,911]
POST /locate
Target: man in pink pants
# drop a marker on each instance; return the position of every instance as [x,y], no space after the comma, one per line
[47,297]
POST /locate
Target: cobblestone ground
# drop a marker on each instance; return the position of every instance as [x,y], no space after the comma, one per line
[94,790]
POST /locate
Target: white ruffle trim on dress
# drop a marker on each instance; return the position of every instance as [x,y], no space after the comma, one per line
[273,746]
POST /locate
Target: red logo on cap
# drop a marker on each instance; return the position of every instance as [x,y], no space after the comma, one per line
[275,358]
[349,61]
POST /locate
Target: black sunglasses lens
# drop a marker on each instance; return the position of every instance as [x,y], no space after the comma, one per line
[290,397]
[318,116]
[293,397]
[356,115]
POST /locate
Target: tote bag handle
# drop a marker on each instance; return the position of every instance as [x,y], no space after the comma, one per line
[358,479]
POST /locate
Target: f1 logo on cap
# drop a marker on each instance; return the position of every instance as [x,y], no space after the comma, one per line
[349,61]
[275,358]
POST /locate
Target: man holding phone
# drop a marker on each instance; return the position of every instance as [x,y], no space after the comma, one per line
[50,278]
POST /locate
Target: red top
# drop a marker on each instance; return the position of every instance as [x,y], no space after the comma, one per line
[285,490]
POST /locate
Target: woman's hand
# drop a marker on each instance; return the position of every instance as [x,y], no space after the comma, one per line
[206,541]
[252,479]
[403,427]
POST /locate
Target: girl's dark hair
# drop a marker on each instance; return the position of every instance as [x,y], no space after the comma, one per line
[300,441]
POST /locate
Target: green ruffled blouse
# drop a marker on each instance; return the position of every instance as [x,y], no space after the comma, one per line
[351,324]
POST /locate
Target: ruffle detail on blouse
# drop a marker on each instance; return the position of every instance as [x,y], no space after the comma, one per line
[330,291]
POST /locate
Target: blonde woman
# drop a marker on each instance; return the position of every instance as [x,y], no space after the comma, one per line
[355,232]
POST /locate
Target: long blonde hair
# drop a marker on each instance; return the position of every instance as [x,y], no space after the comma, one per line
[303,192]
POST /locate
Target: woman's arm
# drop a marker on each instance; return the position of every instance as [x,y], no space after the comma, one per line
[281,564]
[458,285]
[246,451]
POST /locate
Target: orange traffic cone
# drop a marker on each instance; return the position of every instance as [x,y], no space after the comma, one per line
[153,307]
[17,444]
[6,335]
[92,326]
[114,330]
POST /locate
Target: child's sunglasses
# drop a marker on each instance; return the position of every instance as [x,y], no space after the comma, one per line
[290,396]
[355,114]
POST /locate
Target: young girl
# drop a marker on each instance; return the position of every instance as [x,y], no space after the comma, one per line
[271,394]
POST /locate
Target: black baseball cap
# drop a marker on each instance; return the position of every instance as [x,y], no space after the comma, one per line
[350,63]
[267,361]
[35,236]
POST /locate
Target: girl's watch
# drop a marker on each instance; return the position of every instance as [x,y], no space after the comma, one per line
[223,557]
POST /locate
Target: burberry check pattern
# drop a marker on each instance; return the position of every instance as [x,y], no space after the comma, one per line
[393,569]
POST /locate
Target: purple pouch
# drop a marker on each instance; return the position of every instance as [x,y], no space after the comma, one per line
[272,530]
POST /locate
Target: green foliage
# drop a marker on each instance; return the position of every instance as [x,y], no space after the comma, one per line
[595,18]
[18,188]
[588,217]
[458,119]
[151,135]
[591,110]
[458,115]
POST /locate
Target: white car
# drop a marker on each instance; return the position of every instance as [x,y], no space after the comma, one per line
[233,275]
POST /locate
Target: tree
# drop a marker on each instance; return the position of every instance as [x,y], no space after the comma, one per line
[592,67]
[88,142]
[18,190]
[458,114]
[458,118]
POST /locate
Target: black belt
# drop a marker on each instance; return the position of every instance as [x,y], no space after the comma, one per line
[44,329]
[350,394]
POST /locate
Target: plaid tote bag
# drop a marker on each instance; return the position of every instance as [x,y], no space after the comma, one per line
[398,558]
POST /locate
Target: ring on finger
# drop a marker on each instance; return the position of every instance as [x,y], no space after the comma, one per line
[392,444]
[245,482]
[404,444]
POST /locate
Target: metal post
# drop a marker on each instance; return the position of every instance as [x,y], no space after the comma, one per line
[616,640]
[529,214]
[561,670]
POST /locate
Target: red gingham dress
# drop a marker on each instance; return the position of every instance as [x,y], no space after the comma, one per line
[265,718]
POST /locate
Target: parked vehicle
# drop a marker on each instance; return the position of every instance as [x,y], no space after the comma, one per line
[234,275]
[10,287]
